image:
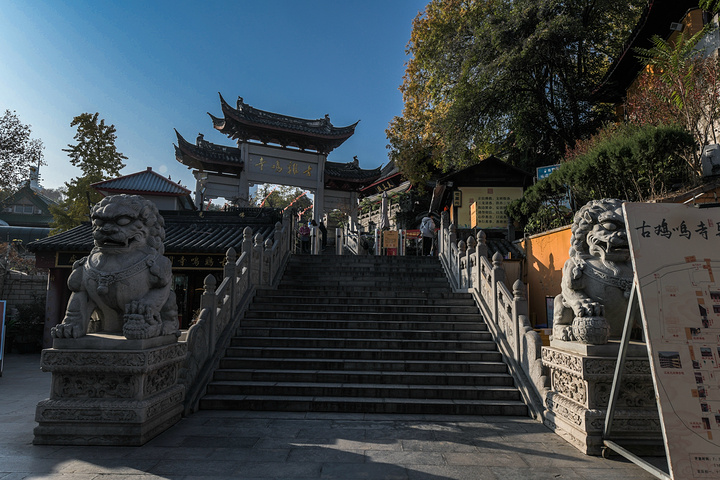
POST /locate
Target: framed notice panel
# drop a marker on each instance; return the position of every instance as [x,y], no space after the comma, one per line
[676,255]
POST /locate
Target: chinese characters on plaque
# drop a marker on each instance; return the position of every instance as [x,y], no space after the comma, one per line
[676,253]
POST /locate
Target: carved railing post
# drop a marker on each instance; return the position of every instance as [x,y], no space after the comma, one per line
[268,260]
[471,260]
[452,238]
[498,275]
[279,236]
[443,241]
[462,250]
[482,248]
[229,272]
[209,301]
[257,261]
[520,308]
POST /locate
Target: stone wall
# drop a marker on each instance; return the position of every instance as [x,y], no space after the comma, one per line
[22,289]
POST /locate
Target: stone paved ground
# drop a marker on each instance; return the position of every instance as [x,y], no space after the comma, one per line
[270,445]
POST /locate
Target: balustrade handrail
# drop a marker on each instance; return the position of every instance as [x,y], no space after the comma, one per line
[260,264]
[505,310]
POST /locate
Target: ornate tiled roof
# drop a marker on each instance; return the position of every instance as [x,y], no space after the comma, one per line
[248,123]
[146,182]
[193,232]
[206,156]
[348,176]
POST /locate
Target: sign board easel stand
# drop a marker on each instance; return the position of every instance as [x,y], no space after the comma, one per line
[614,392]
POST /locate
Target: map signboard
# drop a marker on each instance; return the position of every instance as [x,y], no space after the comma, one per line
[676,255]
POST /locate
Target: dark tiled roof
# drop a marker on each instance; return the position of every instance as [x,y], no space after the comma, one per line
[248,123]
[348,177]
[197,232]
[350,171]
[22,234]
[206,156]
[503,247]
[142,182]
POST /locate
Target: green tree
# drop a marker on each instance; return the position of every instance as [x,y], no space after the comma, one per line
[711,6]
[681,84]
[18,152]
[281,196]
[97,157]
[504,78]
[629,162]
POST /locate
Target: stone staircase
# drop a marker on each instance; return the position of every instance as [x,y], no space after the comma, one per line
[367,335]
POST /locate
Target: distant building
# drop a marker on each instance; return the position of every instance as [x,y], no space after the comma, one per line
[27,207]
[164,193]
[477,196]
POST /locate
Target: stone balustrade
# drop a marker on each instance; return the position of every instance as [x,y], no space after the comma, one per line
[505,311]
[260,263]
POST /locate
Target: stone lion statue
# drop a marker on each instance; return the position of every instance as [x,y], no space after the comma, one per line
[126,281]
[598,276]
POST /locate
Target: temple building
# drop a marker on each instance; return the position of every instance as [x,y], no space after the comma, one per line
[275,149]
[196,241]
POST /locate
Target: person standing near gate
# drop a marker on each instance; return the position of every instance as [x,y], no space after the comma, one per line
[323,233]
[304,232]
[427,230]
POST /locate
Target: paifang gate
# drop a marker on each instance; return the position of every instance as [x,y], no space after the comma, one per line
[277,149]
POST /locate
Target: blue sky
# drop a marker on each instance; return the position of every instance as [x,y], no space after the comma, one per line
[150,66]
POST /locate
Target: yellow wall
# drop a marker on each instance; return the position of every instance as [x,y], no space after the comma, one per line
[545,255]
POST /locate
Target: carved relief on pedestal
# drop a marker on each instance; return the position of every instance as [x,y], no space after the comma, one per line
[569,386]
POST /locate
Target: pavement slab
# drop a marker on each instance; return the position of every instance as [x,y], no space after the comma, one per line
[297,446]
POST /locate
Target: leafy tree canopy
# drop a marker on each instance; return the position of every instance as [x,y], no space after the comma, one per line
[97,157]
[18,152]
[682,85]
[504,77]
[629,162]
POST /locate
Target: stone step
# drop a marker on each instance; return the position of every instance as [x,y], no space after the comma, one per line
[383,307]
[492,364]
[445,392]
[283,298]
[364,335]
[354,333]
[369,283]
[367,343]
[364,260]
[368,293]
[363,353]
[362,405]
[351,316]
[359,376]
[376,324]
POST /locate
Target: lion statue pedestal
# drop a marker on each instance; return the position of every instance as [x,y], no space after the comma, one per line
[588,322]
[116,358]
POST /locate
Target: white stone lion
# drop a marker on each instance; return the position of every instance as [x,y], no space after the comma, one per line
[598,276]
[126,280]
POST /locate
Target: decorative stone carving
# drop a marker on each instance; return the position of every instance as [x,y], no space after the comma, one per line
[108,390]
[596,278]
[125,281]
[581,382]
